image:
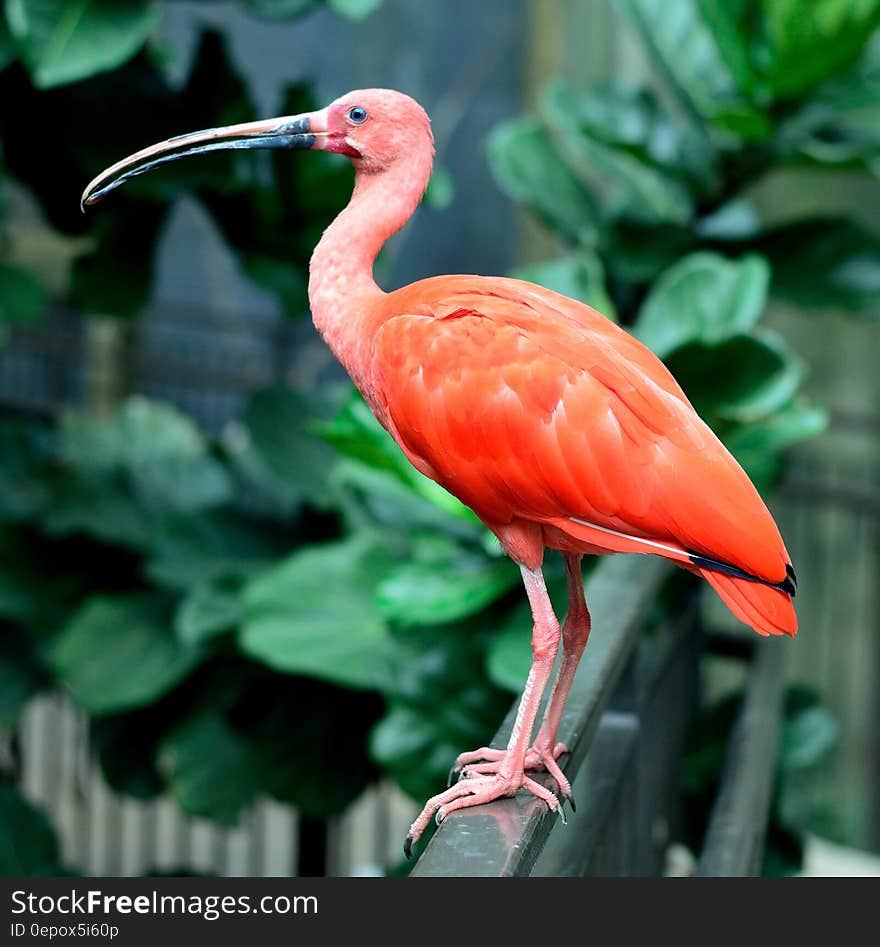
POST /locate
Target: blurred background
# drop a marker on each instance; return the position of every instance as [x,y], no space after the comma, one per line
[238,635]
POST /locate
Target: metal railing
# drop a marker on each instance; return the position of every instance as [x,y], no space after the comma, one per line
[625,726]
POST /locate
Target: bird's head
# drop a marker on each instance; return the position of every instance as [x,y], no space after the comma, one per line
[375,128]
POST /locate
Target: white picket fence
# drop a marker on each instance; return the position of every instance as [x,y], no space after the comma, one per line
[104,834]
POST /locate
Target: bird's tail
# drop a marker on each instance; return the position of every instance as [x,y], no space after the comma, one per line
[768,610]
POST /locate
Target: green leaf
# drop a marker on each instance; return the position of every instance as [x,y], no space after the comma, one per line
[356,433]
[380,499]
[22,298]
[278,424]
[186,550]
[686,53]
[119,652]
[744,378]
[579,276]
[63,41]
[825,262]
[622,181]
[160,450]
[354,9]
[528,168]
[728,21]
[806,44]
[703,298]
[839,124]
[445,587]
[212,770]
[758,446]
[807,737]
[209,608]
[28,847]
[509,657]
[313,614]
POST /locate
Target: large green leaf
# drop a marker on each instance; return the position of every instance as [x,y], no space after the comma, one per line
[209,608]
[356,433]
[803,44]
[703,298]
[758,446]
[622,180]
[578,276]
[443,584]
[379,499]
[186,550]
[313,614]
[686,52]
[510,654]
[296,462]
[212,770]
[825,262]
[160,450]
[744,378]
[64,41]
[120,652]
[28,847]
[839,124]
[530,170]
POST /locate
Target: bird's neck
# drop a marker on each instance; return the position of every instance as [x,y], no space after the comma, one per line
[344,299]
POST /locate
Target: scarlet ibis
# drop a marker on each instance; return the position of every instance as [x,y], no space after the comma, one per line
[556,427]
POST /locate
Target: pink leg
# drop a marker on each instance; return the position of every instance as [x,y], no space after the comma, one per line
[575,632]
[545,751]
[509,775]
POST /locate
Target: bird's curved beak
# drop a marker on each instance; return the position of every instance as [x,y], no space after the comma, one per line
[291,131]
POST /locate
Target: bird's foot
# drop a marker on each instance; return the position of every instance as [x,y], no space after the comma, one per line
[539,758]
[475,790]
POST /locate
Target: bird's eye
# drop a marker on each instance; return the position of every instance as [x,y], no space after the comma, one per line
[358,115]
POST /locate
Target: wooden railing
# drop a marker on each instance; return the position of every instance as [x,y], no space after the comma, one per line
[625,725]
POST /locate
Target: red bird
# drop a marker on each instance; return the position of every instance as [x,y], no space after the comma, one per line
[556,427]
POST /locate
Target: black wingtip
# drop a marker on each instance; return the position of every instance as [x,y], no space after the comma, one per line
[407,847]
[788,585]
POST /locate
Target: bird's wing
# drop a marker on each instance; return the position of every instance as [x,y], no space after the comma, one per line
[526,404]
